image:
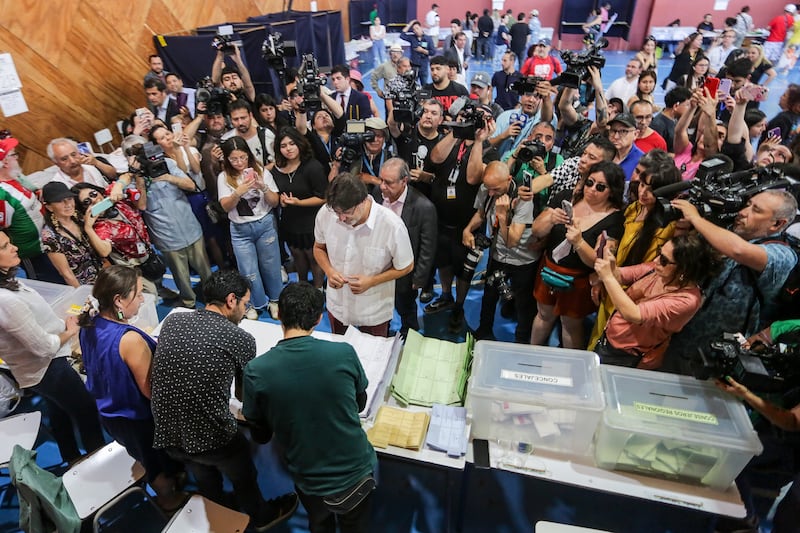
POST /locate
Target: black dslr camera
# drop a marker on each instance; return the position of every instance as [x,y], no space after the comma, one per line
[150,159]
[578,64]
[352,143]
[531,149]
[215,98]
[526,85]
[309,84]
[474,255]
[499,280]
[762,368]
[406,99]
[275,50]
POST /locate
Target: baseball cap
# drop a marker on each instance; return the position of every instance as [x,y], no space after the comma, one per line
[535,12]
[624,118]
[375,123]
[6,145]
[55,191]
[481,79]
[544,41]
[790,8]
[396,48]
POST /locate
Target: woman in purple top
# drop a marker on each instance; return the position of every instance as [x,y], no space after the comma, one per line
[117,358]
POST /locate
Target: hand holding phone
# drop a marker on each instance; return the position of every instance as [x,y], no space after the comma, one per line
[602,240]
[774,132]
[712,85]
[725,86]
[84,149]
[566,206]
[101,207]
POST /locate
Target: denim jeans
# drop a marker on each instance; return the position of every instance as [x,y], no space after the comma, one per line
[379,51]
[255,245]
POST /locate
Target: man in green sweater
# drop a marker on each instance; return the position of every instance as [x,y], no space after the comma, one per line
[308,393]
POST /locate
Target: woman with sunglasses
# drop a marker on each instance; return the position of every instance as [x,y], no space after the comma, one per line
[63,238]
[644,232]
[562,289]
[118,233]
[661,297]
[647,55]
[249,194]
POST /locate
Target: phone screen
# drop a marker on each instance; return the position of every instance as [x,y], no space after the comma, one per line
[480,452]
[527,177]
[177,128]
[84,148]
[774,132]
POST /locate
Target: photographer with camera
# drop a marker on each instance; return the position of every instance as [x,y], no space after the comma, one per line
[779,438]
[173,227]
[235,79]
[457,164]
[709,137]
[512,263]
[534,158]
[415,142]
[739,298]
[514,125]
[574,127]
[386,71]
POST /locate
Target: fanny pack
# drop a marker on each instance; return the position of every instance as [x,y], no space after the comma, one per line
[347,500]
[557,281]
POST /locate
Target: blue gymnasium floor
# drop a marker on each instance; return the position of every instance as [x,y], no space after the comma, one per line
[419,499]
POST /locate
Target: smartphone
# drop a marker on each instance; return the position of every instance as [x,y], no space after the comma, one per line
[141,112]
[527,177]
[101,207]
[774,132]
[480,452]
[181,99]
[757,93]
[177,128]
[725,86]
[84,148]
[566,205]
[712,84]
[248,173]
[601,244]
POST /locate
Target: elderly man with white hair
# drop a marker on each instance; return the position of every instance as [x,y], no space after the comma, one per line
[75,167]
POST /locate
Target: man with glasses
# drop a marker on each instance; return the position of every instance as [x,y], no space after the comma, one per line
[362,247]
[419,216]
[622,133]
[646,137]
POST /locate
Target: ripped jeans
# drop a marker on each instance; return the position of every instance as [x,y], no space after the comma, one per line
[258,256]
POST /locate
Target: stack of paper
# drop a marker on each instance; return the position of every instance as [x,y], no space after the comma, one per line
[448,430]
[398,427]
[432,371]
[378,356]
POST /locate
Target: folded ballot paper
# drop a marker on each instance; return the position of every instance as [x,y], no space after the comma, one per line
[398,427]
[378,356]
[448,430]
[432,371]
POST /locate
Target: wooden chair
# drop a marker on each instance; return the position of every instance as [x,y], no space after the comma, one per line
[201,515]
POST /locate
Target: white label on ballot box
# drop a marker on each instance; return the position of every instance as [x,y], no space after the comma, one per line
[672,412]
[536,378]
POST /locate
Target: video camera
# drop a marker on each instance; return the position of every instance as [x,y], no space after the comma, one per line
[352,143]
[310,83]
[578,64]
[472,118]
[762,368]
[224,42]
[215,98]
[717,195]
[526,85]
[151,161]
[407,99]
[275,51]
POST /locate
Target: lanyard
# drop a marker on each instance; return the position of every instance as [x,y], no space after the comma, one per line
[367,163]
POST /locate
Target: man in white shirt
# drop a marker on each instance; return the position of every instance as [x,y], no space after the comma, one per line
[720,51]
[432,24]
[75,167]
[363,248]
[460,53]
[625,88]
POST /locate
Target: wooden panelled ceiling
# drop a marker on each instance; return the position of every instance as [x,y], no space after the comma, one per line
[81,62]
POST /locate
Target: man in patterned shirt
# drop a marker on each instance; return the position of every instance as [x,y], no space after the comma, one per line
[198,355]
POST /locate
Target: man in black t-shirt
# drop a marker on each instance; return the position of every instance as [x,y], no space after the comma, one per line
[519,37]
[442,88]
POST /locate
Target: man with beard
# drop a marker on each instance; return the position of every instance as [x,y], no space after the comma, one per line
[442,88]
[260,140]
[235,79]
[414,143]
[514,125]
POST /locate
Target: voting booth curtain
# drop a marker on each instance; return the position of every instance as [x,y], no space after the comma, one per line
[192,56]
[574,13]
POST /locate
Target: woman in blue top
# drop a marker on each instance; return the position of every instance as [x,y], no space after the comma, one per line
[117,358]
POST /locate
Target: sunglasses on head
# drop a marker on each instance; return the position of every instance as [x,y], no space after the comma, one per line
[86,202]
[599,187]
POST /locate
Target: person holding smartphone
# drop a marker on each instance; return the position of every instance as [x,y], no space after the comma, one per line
[249,194]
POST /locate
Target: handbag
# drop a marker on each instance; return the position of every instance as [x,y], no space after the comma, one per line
[556,280]
[153,268]
[347,500]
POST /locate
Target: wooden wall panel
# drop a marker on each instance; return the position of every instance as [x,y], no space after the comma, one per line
[81,62]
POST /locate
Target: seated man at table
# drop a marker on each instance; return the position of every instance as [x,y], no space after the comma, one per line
[363,248]
[194,365]
[328,453]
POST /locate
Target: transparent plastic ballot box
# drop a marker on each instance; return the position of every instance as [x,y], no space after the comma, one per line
[535,396]
[53,293]
[673,427]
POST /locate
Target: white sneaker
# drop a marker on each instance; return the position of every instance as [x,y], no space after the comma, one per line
[273,310]
[284,275]
[251,313]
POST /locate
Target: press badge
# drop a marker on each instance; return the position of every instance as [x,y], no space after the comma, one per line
[140,249]
[451,192]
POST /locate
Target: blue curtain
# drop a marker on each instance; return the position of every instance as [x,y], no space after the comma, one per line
[189,56]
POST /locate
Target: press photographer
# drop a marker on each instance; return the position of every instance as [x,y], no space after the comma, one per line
[754,271]
[534,157]
[414,143]
[574,126]
[514,125]
[512,264]
[778,432]
[235,79]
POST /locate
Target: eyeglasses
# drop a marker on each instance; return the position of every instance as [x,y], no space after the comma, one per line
[599,187]
[618,133]
[239,159]
[5,134]
[86,202]
[642,118]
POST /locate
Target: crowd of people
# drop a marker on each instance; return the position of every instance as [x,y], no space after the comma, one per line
[558,184]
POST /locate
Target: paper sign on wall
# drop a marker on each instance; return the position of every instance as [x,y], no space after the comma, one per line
[13,103]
